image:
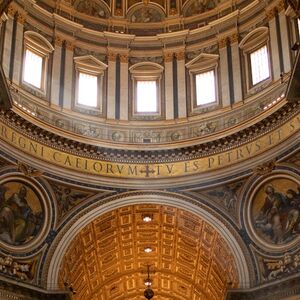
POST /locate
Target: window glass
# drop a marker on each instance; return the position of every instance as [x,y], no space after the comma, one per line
[259,65]
[205,88]
[87,89]
[33,68]
[146,96]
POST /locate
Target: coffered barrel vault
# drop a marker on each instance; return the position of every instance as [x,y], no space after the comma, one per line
[152,134]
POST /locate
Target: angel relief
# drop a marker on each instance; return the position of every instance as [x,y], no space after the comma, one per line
[21,213]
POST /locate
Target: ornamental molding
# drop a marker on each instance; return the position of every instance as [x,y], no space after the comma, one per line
[139,164]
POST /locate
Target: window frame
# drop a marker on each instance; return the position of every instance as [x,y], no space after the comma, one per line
[252,42]
[43,71]
[91,66]
[40,46]
[201,64]
[146,71]
[136,96]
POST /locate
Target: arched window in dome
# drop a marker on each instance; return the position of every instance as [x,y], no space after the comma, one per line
[203,71]
[146,89]
[89,88]
[257,65]
[37,50]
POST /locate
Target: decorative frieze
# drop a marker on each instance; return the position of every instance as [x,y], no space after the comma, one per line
[13,268]
[276,268]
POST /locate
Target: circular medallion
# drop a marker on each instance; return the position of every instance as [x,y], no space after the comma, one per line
[24,213]
[273,212]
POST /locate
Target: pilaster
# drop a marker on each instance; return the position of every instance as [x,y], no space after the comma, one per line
[225,92]
[18,48]
[68,79]
[124,86]
[169,100]
[56,66]
[236,67]
[111,84]
[181,84]
[274,43]
[8,40]
[284,34]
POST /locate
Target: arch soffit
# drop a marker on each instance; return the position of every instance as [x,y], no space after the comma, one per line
[65,237]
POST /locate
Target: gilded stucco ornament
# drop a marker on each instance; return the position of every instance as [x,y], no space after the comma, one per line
[275,268]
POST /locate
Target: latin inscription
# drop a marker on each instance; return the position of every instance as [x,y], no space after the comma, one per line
[112,169]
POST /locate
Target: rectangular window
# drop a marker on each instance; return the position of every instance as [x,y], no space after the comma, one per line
[33,68]
[146,92]
[259,65]
[88,90]
[205,88]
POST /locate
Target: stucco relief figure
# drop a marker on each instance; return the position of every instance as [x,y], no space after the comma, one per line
[21,214]
[277,220]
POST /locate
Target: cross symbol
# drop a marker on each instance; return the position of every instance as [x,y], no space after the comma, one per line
[147,171]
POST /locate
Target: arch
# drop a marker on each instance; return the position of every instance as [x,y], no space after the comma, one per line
[254,38]
[38,42]
[146,67]
[60,248]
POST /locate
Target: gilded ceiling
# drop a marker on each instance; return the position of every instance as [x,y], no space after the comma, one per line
[130,16]
[189,258]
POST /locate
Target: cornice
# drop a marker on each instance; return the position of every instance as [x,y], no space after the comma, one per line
[225,143]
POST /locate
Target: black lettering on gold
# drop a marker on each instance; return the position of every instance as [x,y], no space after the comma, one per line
[249,148]
[22,142]
[13,137]
[56,156]
[4,132]
[170,168]
[109,168]
[186,167]
[33,147]
[67,161]
[132,170]
[195,166]
[257,145]
[239,153]
[210,162]
[120,168]
[97,167]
